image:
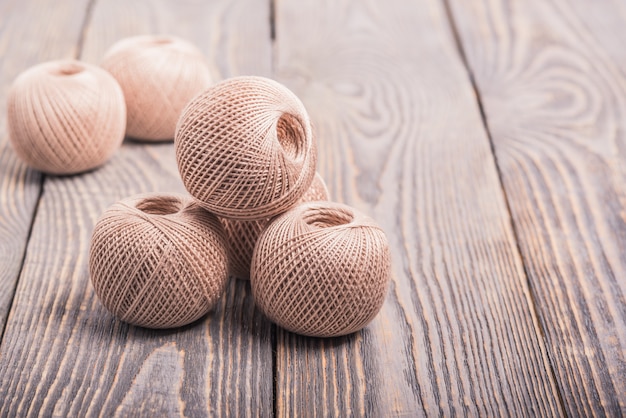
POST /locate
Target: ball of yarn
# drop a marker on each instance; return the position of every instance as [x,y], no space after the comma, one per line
[245,148]
[316,191]
[158,261]
[65,116]
[243,235]
[321,269]
[159,76]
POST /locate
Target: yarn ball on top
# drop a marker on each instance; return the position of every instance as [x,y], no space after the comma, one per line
[321,269]
[65,117]
[159,76]
[158,261]
[245,148]
[243,235]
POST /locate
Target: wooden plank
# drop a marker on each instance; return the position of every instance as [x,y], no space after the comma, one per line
[63,354]
[551,78]
[24,42]
[401,138]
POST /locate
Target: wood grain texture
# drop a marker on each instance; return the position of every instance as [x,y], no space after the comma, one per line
[401,138]
[552,78]
[25,42]
[62,353]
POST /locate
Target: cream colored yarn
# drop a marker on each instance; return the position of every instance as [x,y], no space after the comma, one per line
[159,76]
[158,261]
[243,235]
[245,148]
[317,191]
[321,269]
[65,116]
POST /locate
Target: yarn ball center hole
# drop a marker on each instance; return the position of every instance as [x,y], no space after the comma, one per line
[160,206]
[322,218]
[162,41]
[291,136]
[66,69]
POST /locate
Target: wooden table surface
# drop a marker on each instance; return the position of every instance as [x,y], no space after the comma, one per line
[487,137]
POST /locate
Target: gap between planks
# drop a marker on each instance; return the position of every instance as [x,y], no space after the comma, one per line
[274,327]
[83,29]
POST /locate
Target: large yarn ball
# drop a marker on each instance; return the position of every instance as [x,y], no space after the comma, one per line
[65,116]
[245,148]
[158,261]
[321,269]
[159,76]
[243,235]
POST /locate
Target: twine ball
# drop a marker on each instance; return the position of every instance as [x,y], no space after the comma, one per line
[158,261]
[245,148]
[243,235]
[159,76]
[321,269]
[65,117]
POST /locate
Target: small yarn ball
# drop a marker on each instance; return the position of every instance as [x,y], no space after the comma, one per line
[159,76]
[245,148]
[158,261]
[65,117]
[316,191]
[321,269]
[243,235]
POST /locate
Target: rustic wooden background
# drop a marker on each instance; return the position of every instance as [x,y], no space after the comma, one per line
[487,137]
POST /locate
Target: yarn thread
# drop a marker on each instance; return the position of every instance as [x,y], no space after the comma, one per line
[321,269]
[243,235]
[158,261]
[65,117]
[245,148]
[159,76]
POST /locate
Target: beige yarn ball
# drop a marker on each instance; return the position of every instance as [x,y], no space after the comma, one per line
[65,116]
[316,191]
[158,261]
[321,269]
[243,235]
[245,148]
[159,76]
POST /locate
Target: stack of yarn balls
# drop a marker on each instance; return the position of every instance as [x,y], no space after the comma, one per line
[257,209]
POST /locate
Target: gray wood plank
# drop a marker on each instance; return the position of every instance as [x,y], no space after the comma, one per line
[24,42]
[552,79]
[401,138]
[63,354]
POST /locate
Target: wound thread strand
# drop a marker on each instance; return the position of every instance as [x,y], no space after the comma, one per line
[158,261]
[321,269]
[245,148]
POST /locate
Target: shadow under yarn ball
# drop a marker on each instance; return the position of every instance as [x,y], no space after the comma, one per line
[158,261]
[321,269]
[243,235]
[159,75]
[245,148]
[65,117]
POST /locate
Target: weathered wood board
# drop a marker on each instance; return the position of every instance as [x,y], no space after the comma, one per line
[551,77]
[401,137]
[62,353]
